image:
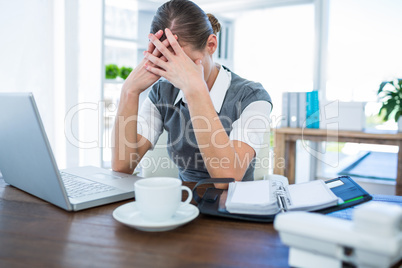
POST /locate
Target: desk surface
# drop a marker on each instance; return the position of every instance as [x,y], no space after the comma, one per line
[38,234]
[338,133]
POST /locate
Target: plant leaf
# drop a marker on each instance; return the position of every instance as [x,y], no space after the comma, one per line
[382,112]
[381,109]
[385,95]
[389,108]
[397,114]
[382,85]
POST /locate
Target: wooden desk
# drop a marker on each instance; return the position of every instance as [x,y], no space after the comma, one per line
[37,234]
[285,146]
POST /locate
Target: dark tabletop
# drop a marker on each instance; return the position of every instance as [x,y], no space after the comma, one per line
[36,233]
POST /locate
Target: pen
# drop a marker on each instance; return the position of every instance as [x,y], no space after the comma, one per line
[281,202]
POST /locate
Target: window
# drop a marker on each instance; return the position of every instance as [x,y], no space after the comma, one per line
[126,27]
[364,47]
[120,17]
[275,46]
[120,47]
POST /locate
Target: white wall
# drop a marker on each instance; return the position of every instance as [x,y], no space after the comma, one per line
[26,53]
[90,71]
[53,49]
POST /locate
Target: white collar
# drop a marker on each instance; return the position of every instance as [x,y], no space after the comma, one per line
[218,90]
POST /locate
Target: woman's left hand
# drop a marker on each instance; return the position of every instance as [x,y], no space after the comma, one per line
[179,69]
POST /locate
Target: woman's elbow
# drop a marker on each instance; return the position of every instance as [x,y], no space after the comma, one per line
[122,167]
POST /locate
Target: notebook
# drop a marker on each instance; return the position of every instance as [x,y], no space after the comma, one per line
[270,196]
[27,162]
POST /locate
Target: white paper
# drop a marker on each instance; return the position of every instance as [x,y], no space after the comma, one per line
[311,195]
[253,192]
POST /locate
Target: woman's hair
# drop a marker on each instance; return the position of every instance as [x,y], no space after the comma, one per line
[187,20]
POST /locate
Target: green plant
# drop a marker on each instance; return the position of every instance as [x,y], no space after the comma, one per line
[391,99]
[111,71]
[124,72]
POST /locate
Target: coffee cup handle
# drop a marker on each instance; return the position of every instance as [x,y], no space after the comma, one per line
[190,194]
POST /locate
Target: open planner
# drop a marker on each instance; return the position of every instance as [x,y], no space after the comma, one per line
[263,200]
[275,194]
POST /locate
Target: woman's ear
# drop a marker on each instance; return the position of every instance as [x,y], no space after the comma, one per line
[212,44]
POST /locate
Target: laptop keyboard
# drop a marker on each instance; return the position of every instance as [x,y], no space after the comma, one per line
[79,187]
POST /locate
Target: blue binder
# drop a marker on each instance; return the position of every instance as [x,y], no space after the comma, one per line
[312,110]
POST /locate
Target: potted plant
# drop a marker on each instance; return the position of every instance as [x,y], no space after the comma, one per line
[391,101]
[124,72]
[111,71]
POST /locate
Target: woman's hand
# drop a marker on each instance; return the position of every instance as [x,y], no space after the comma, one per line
[179,69]
[140,79]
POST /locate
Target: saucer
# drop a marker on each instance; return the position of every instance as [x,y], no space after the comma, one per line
[129,215]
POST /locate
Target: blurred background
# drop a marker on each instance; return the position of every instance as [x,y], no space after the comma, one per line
[74,55]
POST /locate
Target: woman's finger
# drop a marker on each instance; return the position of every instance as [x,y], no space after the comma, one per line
[151,46]
[156,60]
[155,70]
[161,47]
[173,42]
[156,52]
[165,42]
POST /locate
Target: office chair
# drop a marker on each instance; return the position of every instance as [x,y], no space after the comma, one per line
[156,163]
[264,158]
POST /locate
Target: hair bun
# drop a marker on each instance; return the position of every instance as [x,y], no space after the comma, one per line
[216,26]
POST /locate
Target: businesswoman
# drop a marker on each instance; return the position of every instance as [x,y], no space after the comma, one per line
[214,118]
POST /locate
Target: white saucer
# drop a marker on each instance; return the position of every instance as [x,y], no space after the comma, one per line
[129,215]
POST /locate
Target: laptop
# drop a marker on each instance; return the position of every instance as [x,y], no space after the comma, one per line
[27,162]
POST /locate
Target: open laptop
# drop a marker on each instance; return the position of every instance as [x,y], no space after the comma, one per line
[27,162]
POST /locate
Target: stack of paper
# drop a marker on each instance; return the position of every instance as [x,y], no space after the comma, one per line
[251,197]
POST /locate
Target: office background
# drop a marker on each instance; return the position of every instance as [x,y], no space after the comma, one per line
[58,50]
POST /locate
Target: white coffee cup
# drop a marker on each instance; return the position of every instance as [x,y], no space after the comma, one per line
[159,198]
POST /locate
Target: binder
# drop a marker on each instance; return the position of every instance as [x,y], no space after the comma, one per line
[302,109]
[285,110]
[312,110]
[211,202]
[293,109]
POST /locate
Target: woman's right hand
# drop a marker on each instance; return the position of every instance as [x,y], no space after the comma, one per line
[140,78]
